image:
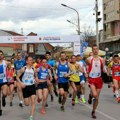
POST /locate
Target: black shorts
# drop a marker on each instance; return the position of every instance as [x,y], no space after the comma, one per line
[76,83]
[2,84]
[42,85]
[11,83]
[53,80]
[29,91]
[65,86]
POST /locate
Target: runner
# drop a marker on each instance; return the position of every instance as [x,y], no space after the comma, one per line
[3,79]
[115,67]
[81,62]
[51,62]
[10,72]
[19,63]
[95,80]
[27,83]
[74,79]
[43,75]
[63,68]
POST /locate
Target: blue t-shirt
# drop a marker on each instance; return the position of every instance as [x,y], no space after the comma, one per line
[52,63]
[19,64]
[43,74]
[62,69]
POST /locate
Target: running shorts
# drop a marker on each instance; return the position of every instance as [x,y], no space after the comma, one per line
[42,85]
[65,86]
[97,82]
[28,91]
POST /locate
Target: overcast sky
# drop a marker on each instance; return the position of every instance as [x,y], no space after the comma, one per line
[46,17]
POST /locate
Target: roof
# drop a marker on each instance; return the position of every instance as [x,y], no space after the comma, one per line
[32,34]
[48,46]
[12,33]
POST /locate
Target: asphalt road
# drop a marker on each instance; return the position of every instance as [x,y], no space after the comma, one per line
[108,109]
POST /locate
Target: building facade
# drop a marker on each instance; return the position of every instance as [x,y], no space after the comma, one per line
[111,25]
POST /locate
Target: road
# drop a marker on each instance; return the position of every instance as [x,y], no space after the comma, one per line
[108,109]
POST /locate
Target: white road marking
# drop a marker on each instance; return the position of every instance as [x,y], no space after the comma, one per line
[104,114]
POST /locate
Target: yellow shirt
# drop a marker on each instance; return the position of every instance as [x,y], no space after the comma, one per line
[75,76]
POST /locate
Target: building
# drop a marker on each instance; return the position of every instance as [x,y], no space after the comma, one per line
[10,49]
[111,25]
[38,49]
[33,49]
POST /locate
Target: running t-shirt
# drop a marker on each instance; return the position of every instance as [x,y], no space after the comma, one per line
[19,64]
[116,71]
[43,74]
[51,62]
[62,69]
[10,74]
[28,76]
[75,76]
[3,67]
[95,68]
[82,64]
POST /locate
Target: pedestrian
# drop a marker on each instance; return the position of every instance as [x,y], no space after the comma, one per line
[3,79]
[10,72]
[43,75]
[27,83]
[96,65]
[64,70]
[18,64]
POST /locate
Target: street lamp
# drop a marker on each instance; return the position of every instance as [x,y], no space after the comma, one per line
[75,25]
[71,22]
[77,15]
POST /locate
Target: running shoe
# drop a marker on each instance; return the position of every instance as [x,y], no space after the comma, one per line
[62,108]
[76,100]
[59,100]
[73,102]
[83,100]
[43,111]
[3,101]
[90,99]
[31,118]
[93,115]
[21,105]
[52,98]
[38,100]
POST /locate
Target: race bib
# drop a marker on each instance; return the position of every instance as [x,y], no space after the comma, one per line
[2,75]
[28,81]
[76,72]
[44,75]
[94,75]
[117,73]
[62,74]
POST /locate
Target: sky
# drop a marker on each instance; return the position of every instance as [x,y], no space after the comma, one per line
[47,17]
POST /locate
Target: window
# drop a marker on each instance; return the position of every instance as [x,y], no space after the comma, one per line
[31,48]
[104,16]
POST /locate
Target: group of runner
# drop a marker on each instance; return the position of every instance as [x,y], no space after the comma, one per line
[35,80]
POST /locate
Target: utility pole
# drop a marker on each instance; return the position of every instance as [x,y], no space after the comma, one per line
[97,35]
[22,31]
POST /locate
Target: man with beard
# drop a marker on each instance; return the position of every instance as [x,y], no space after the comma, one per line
[64,70]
